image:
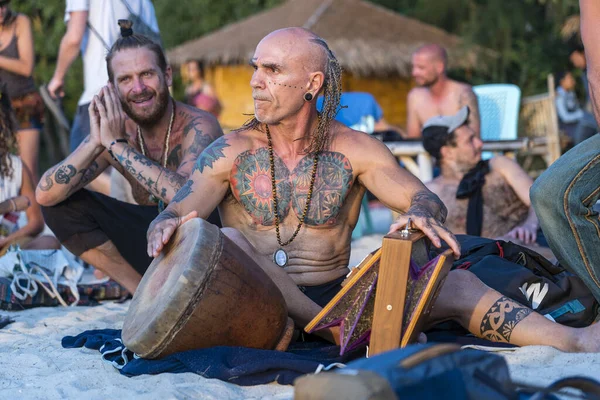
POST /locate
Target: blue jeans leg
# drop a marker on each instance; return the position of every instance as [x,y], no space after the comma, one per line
[80,128]
[563,198]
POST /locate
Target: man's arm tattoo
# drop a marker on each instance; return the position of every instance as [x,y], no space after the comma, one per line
[501,319]
[428,205]
[166,214]
[211,154]
[140,167]
[64,174]
[469,98]
[47,182]
[184,192]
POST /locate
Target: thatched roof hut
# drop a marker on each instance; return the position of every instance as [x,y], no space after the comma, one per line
[370,41]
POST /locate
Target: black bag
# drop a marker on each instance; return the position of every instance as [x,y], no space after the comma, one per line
[431,371]
[528,278]
[414,372]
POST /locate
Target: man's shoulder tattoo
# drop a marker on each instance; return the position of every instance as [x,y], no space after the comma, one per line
[211,154]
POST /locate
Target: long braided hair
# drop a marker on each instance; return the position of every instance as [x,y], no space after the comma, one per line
[332,92]
[8,142]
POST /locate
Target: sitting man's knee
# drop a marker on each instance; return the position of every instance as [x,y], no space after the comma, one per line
[542,196]
[459,279]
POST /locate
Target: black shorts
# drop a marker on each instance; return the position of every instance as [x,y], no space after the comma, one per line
[323,294]
[88,219]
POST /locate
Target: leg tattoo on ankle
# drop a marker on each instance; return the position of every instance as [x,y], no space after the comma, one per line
[501,319]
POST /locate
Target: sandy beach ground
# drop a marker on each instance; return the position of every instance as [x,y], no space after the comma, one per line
[33,365]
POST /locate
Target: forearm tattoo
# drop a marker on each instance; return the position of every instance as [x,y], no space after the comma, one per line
[166,214]
[47,182]
[428,205]
[140,166]
[211,154]
[501,319]
[184,192]
[64,174]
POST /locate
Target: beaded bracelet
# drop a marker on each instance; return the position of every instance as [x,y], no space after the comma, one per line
[14,205]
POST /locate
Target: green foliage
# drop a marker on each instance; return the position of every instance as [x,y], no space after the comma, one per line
[189,19]
[524,34]
[47,17]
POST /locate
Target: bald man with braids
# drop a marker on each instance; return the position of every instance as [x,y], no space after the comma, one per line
[151,139]
[435,93]
[289,185]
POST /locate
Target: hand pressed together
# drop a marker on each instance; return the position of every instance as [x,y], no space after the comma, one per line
[109,117]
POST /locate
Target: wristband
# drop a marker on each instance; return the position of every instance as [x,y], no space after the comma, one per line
[14,205]
[111,145]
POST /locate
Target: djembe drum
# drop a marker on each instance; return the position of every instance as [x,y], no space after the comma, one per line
[204,291]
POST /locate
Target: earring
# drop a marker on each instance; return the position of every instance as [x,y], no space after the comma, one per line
[308,96]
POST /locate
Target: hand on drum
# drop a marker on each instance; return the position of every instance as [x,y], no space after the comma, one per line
[161,230]
[431,227]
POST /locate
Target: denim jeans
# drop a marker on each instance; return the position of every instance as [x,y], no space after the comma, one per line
[563,198]
[81,126]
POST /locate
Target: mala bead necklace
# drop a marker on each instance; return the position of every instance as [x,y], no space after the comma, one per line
[280,256]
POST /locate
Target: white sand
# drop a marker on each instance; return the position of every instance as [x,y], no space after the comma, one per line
[33,364]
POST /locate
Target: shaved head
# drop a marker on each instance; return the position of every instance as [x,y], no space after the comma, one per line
[428,64]
[302,44]
[292,66]
[435,52]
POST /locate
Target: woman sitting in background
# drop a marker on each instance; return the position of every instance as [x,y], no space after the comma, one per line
[574,120]
[198,92]
[17,193]
[16,69]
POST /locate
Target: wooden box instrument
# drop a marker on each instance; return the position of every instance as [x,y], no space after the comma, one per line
[386,300]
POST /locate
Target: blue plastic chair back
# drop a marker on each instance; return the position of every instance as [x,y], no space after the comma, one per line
[499,110]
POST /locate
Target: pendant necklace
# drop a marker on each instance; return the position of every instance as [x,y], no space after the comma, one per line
[151,197]
[280,256]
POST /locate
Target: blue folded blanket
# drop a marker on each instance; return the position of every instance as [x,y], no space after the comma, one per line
[239,365]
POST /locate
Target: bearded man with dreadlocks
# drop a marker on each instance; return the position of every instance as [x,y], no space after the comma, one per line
[151,139]
[289,186]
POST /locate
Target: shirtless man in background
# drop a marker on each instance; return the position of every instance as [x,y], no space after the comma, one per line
[505,211]
[436,94]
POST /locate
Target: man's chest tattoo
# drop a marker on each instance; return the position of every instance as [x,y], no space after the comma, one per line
[251,185]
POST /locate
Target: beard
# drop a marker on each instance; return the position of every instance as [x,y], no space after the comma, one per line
[428,82]
[154,114]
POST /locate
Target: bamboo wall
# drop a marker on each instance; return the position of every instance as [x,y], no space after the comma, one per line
[232,84]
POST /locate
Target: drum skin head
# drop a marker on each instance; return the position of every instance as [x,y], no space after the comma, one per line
[203,291]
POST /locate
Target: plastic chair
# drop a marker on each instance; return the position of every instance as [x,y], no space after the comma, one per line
[499,110]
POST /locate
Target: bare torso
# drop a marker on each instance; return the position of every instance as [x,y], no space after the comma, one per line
[502,208]
[321,251]
[428,106]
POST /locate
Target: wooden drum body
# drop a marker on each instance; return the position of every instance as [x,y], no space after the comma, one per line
[204,291]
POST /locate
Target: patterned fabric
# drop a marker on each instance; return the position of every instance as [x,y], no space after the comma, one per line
[89,295]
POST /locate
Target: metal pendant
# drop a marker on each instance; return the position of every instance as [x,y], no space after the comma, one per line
[280,257]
